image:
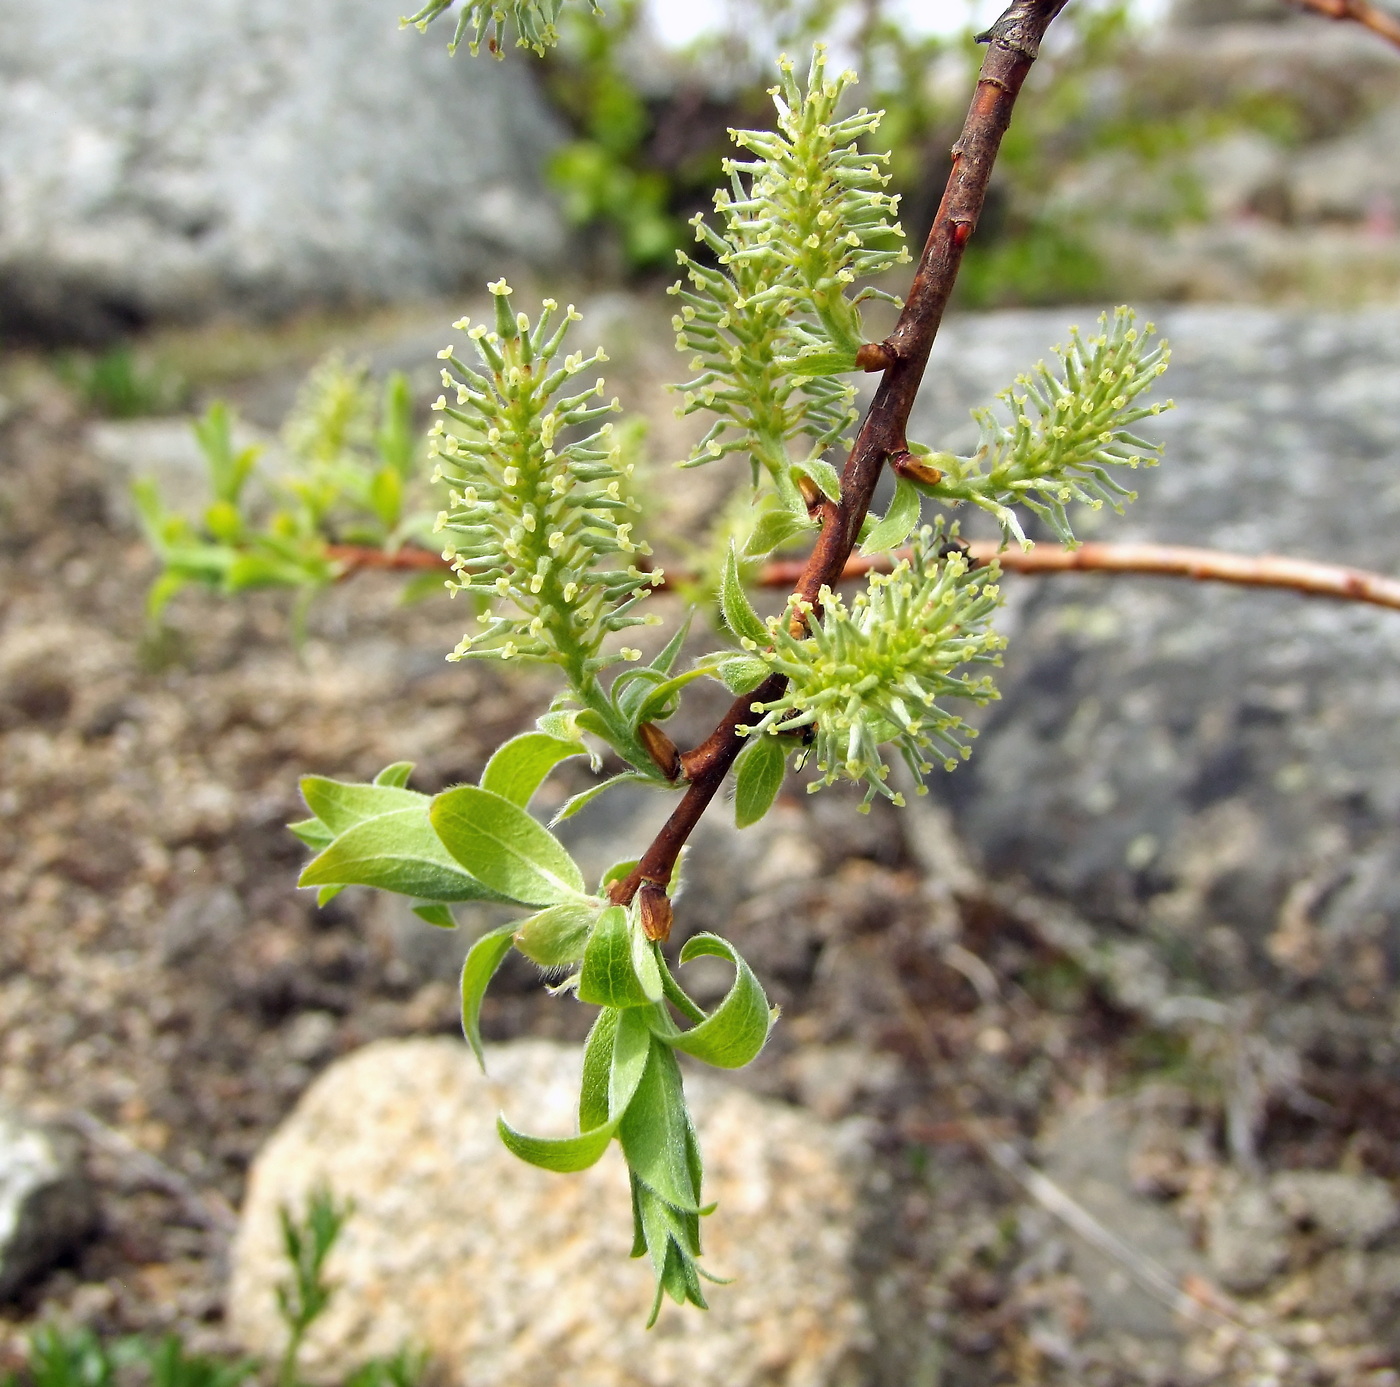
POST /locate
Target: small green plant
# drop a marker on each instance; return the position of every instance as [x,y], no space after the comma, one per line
[117,384]
[60,1356]
[305,1295]
[349,476]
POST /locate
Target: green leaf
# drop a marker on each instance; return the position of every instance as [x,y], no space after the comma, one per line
[758,776]
[518,768]
[818,363]
[397,852]
[562,1154]
[774,529]
[500,844]
[327,894]
[484,957]
[436,913]
[823,475]
[313,833]
[557,936]
[341,805]
[734,1033]
[609,977]
[395,775]
[597,1070]
[670,653]
[743,673]
[654,1131]
[899,520]
[586,797]
[619,871]
[739,615]
[569,725]
[612,1074]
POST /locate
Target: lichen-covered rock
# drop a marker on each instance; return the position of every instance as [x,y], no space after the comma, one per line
[46,1200]
[513,1277]
[1215,768]
[160,159]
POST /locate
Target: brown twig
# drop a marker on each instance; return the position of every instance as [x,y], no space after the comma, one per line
[1163,560]
[1013,43]
[1159,560]
[1362,12]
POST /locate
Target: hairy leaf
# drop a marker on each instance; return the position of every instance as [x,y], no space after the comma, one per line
[734,1033]
[484,957]
[758,776]
[557,936]
[341,805]
[396,775]
[610,965]
[898,523]
[654,1131]
[739,614]
[500,844]
[518,768]
[398,852]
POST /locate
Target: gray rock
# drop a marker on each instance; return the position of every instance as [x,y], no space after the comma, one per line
[201,922]
[1248,1238]
[511,1275]
[161,160]
[1353,1210]
[1212,766]
[46,1200]
[1088,1158]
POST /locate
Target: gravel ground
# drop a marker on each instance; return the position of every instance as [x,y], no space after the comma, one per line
[164,986]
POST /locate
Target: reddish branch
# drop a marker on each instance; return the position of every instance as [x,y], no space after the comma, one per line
[1161,560]
[1164,560]
[1363,12]
[1013,45]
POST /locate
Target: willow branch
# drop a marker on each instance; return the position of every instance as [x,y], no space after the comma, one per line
[1013,44]
[1149,560]
[1162,560]
[1362,12]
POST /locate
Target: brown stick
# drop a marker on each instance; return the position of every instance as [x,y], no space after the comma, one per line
[1164,560]
[1362,12]
[1160,560]
[1013,43]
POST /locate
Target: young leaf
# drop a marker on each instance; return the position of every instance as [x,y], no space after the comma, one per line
[898,523]
[557,936]
[518,768]
[654,1129]
[609,977]
[738,613]
[397,852]
[313,833]
[597,1070]
[822,475]
[743,673]
[734,1033]
[774,529]
[395,775]
[341,805]
[500,844]
[611,1051]
[758,776]
[436,913]
[484,957]
[586,797]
